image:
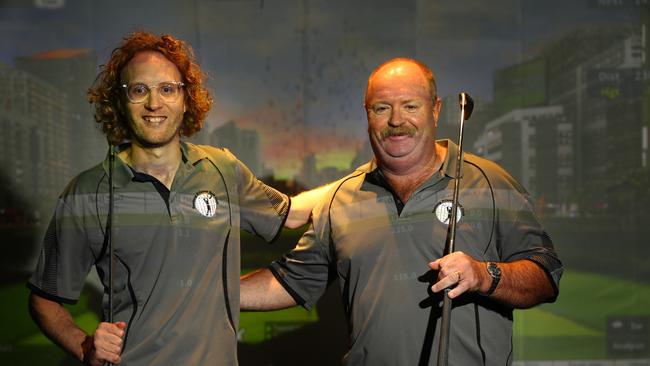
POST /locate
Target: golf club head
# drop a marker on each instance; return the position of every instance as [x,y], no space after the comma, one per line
[464,100]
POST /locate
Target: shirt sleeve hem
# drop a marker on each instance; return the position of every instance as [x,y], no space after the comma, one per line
[284,220]
[549,274]
[49,296]
[296,297]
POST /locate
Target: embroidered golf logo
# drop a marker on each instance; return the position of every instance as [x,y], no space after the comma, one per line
[206,203]
[443,211]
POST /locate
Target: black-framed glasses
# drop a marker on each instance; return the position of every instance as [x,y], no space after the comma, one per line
[169,91]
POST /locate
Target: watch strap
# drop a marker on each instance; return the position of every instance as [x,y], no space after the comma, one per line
[495,273]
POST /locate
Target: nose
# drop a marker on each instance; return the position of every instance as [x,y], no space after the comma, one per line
[395,118]
[153,100]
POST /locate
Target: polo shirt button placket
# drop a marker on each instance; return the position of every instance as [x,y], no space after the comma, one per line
[173,207]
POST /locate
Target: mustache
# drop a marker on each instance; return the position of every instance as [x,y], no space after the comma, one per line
[389,131]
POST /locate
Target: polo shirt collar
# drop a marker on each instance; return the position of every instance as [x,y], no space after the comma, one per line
[123,174]
[448,167]
[192,154]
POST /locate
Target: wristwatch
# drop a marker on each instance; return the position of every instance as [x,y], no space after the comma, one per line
[495,272]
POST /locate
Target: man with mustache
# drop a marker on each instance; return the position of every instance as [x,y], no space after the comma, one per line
[381,232]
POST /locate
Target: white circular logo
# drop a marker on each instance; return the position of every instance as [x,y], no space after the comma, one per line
[205,203]
[443,211]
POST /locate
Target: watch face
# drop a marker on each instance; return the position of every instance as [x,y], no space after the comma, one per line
[494,270]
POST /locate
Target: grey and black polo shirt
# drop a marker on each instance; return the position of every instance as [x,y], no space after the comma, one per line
[379,249]
[176,281]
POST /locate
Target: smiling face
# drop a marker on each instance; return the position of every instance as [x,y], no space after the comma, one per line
[154,122]
[402,116]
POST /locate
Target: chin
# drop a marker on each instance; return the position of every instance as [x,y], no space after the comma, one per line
[397,153]
[153,143]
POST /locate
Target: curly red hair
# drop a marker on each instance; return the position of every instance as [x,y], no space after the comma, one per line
[106,92]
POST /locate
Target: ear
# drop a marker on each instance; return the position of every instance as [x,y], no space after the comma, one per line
[437,104]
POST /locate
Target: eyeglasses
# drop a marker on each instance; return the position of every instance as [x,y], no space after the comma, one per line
[169,91]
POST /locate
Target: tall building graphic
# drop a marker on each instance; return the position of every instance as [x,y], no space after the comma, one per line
[535,146]
[312,176]
[71,72]
[586,96]
[308,173]
[604,98]
[569,62]
[34,150]
[245,144]
[520,86]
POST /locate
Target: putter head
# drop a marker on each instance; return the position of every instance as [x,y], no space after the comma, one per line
[466,104]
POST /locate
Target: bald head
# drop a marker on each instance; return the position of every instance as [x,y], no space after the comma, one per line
[403,65]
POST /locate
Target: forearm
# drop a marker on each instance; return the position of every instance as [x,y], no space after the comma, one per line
[523,284]
[260,290]
[57,324]
[302,204]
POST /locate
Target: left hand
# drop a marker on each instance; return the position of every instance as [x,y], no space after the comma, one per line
[460,272]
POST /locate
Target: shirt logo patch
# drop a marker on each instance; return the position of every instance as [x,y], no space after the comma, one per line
[443,211]
[206,203]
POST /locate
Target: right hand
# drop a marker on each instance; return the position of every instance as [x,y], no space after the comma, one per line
[107,343]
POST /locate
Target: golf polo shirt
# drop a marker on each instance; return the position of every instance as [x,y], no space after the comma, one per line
[379,250]
[177,258]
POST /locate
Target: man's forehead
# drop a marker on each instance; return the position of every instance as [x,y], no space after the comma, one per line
[399,72]
[143,60]
[146,56]
[406,90]
[398,84]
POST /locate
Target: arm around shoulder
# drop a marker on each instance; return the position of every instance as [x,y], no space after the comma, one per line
[302,205]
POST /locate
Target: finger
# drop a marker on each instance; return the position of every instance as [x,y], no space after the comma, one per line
[435,265]
[441,285]
[447,281]
[103,339]
[108,351]
[461,288]
[113,344]
[108,356]
[105,356]
[104,334]
[108,348]
[116,329]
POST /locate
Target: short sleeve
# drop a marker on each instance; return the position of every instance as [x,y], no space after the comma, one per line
[65,258]
[306,270]
[263,209]
[523,237]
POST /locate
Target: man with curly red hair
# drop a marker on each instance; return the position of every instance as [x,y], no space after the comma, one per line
[178,211]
